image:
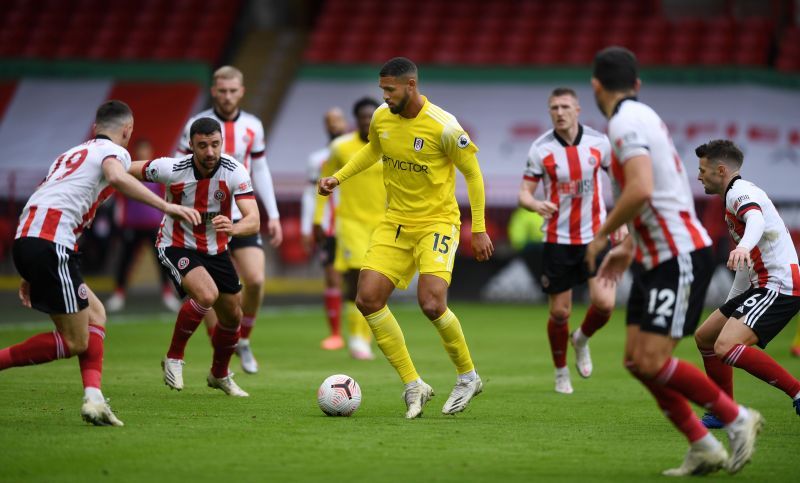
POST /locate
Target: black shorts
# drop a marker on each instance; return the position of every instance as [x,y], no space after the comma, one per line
[53,272]
[668,299]
[563,267]
[237,242]
[177,262]
[765,311]
[327,251]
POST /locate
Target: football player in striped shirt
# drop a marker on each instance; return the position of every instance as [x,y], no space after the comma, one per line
[46,254]
[567,160]
[362,204]
[673,268]
[243,140]
[766,290]
[197,257]
[420,145]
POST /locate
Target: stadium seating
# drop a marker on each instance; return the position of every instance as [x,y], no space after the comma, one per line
[507,32]
[118,30]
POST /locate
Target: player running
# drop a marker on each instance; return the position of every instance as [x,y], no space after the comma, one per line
[243,140]
[197,257]
[316,228]
[420,145]
[45,252]
[672,271]
[568,158]
[361,207]
[766,289]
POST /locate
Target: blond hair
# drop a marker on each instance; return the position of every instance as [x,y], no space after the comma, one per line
[228,72]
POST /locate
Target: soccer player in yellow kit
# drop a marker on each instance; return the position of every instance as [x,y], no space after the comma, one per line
[420,145]
[362,205]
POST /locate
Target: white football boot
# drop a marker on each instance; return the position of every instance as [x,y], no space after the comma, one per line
[563,381]
[227,385]
[742,439]
[173,372]
[700,462]
[416,395]
[115,303]
[583,359]
[360,349]
[99,413]
[462,394]
[245,353]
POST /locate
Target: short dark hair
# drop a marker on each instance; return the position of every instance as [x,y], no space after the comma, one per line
[563,91]
[399,67]
[112,114]
[616,68]
[363,102]
[205,126]
[722,151]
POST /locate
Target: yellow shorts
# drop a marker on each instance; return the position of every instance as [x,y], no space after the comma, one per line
[399,251]
[352,241]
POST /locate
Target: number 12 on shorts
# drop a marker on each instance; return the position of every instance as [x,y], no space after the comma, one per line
[440,243]
[661,305]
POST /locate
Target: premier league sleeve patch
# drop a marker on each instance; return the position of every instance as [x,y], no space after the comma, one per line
[463,141]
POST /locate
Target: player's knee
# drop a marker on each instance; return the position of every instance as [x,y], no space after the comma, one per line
[207,296]
[603,304]
[722,347]
[254,289]
[645,366]
[432,307]
[702,339]
[559,315]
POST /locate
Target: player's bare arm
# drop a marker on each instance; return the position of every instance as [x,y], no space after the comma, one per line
[250,223]
[637,191]
[127,183]
[527,201]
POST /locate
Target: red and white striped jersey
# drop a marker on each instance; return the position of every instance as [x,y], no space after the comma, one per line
[66,201]
[571,182]
[211,196]
[667,225]
[774,257]
[243,140]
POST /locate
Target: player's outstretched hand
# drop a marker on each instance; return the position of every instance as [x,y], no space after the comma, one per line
[223,224]
[739,259]
[275,233]
[546,208]
[189,215]
[482,246]
[595,247]
[25,293]
[615,263]
[327,185]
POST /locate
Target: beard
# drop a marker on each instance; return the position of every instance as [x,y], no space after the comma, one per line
[398,108]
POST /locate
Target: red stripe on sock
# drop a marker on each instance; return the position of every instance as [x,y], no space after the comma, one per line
[764,367]
[39,349]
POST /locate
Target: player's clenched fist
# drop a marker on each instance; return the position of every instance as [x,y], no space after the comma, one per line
[327,185]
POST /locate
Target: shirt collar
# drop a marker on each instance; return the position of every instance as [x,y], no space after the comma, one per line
[730,185]
[577,141]
[619,103]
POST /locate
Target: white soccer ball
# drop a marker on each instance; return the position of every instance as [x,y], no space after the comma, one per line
[339,395]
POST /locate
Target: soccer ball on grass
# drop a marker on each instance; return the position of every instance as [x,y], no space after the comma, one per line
[339,395]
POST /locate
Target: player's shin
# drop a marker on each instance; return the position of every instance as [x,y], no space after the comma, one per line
[356,323]
[558,335]
[390,339]
[764,367]
[91,361]
[454,342]
[718,371]
[595,319]
[189,318]
[38,349]
[686,379]
[224,342]
[248,321]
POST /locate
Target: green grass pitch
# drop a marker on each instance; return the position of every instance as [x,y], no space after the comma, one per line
[517,430]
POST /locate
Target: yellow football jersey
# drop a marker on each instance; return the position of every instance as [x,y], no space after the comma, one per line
[363,198]
[419,158]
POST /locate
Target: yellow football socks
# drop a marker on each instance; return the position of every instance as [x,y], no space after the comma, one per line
[454,342]
[392,343]
[356,323]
